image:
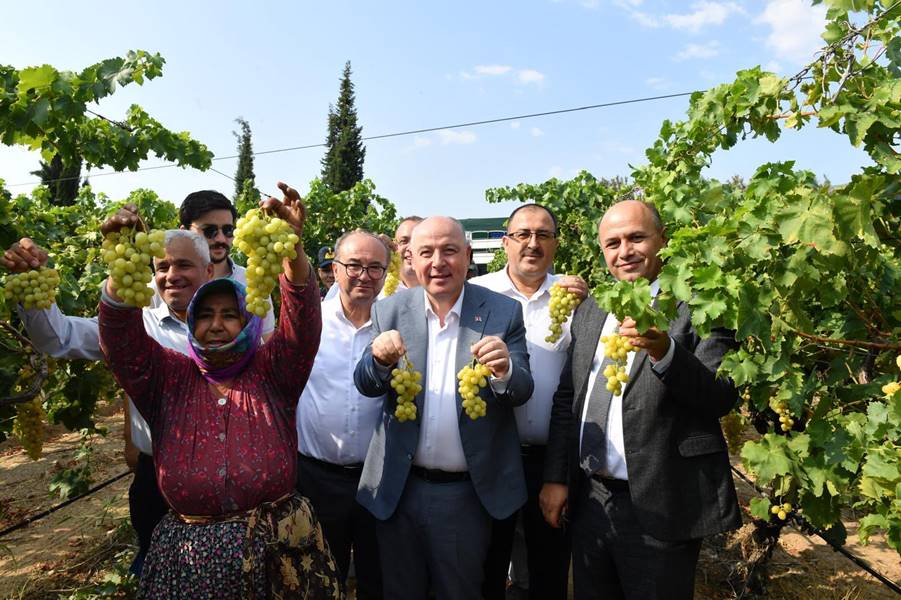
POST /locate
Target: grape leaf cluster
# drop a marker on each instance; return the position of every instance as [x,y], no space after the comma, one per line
[266,241]
[128,253]
[472,378]
[33,289]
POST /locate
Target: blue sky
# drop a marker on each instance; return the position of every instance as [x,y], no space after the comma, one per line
[427,64]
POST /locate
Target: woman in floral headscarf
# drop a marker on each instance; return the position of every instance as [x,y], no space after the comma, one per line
[224,438]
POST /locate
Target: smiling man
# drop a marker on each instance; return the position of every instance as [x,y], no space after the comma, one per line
[435,483]
[334,421]
[643,474]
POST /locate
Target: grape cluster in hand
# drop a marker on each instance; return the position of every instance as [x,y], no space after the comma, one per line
[128,255]
[616,348]
[562,305]
[266,241]
[405,381]
[472,377]
[33,289]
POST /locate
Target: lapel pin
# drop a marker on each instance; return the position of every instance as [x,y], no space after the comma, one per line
[478,318]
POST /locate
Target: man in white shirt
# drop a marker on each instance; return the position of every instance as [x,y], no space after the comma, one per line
[402,236]
[334,421]
[184,268]
[530,246]
[434,483]
[644,473]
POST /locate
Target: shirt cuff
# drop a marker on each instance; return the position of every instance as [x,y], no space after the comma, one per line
[499,384]
[660,366]
[381,369]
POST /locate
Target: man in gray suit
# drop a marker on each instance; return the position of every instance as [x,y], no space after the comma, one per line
[643,475]
[435,483]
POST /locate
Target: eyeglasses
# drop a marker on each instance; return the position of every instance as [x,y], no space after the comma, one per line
[354,270]
[210,231]
[524,235]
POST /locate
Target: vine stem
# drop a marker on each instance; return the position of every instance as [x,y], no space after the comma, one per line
[38,363]
[855,343]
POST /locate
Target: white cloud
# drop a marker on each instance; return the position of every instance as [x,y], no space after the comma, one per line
[492,69]
[536,132]
[527,76]
[591,4]
[555,171]
[703,13]
[698,51]
[795,28]
[658,83]
[514,124]
[772,66]
[449,136]
[421,142]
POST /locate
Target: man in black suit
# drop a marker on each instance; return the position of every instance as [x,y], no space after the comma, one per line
[643,475]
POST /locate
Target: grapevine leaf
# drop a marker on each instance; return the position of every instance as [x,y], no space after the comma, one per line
[767,458]
[760,508]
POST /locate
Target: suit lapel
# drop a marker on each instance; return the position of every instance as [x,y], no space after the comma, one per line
[584,353]
[473,319]
[415,333]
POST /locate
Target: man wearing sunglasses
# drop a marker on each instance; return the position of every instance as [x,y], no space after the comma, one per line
[530,245]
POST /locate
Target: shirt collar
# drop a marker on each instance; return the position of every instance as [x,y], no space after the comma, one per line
[655,288]
[456,309]
[333,306]
[504,276]
[163,315]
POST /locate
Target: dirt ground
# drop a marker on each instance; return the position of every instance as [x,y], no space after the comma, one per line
[76,545]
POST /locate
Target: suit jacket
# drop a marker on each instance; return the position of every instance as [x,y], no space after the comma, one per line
[490,443]
[676,456]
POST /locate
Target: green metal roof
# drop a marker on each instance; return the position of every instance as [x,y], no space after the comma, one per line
[489,224]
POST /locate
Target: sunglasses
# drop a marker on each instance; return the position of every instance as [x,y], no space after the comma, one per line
[210,231]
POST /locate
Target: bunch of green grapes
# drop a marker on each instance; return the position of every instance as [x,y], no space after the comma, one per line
[786,422]
[562,305]
[266,241]
[128,253]
[28,426]
[733,426]
[405,381]
[616,348]
[472,377]
[392,279]
[33,289]
[781,510]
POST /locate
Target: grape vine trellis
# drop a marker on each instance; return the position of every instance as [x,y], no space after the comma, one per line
[806,273]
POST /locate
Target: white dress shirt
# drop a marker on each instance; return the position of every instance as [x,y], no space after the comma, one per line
[440,446]
[239,274]
[62,336]
[533,419]
[334,421]
[616,451]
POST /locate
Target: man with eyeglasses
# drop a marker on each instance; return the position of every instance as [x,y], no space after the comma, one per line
[530,245]
[334,421]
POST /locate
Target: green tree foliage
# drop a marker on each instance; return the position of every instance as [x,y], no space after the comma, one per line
[244,172]
[342,165]
[62,180]
[44,109]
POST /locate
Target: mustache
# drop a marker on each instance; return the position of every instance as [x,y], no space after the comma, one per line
[532,252]
[217,246]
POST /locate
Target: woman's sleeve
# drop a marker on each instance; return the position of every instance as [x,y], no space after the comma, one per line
[137,361]
[288,357]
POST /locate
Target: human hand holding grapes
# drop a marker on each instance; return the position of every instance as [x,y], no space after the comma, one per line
[492,352]
[653,341]
[292,211]
[388,347]
[574,285]
[24,255]
[128,249]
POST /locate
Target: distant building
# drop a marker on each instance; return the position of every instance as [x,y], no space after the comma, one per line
[484,235]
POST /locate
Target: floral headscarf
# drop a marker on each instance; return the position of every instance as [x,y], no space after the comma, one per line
[221,363]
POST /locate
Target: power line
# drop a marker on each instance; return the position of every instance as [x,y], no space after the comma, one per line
[394,134]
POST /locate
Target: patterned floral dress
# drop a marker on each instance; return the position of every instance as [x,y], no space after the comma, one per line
[218,456]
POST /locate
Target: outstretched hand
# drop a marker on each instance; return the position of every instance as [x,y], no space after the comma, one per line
[125,217]
[290,208]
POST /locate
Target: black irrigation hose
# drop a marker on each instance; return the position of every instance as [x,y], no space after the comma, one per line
[28,520]
[849,555]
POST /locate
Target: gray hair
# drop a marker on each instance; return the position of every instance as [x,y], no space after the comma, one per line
[200,245]
[354,232]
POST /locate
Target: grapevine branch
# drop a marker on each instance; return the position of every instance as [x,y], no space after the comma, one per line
[38,364]
[854,343]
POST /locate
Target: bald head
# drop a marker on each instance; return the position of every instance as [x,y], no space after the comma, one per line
[630,234]
[440,255]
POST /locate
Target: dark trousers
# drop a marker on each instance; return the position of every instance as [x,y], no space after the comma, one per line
[547,549]
[146,507]
[614,559]
[332,490]
[436,540]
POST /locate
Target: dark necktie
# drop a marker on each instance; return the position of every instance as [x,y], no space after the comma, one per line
[592,454]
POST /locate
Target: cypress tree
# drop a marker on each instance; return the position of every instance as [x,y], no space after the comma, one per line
[245,157]
[62,179]
[342,165]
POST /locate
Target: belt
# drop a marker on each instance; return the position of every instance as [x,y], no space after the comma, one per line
[439,476]
[354,469]
[533,451]
[614,485]
[230,517]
